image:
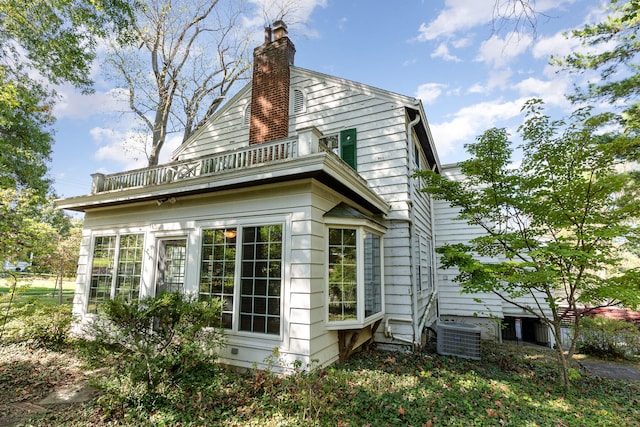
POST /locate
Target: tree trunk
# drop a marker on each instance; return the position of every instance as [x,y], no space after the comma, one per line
[563,364]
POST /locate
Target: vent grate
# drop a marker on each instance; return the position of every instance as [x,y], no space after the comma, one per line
[298,101]
[459,339]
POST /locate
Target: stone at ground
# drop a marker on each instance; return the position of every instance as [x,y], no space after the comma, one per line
[612,370]
[74,393]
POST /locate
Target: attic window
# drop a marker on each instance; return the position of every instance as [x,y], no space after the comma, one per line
[298,102]
[247,115]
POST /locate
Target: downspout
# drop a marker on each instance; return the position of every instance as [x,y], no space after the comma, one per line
[412,225]
[414,297]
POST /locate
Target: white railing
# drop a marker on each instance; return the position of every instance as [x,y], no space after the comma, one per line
[230,160]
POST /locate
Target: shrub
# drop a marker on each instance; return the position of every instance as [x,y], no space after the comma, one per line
[37,323]
[605,337]
[158,340]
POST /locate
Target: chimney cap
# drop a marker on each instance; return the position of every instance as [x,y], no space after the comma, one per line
[279,24]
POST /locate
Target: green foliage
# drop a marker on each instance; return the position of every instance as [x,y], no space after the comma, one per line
[158,340]
[25,138]
[610,338]
[58,38]
[36,323]
[612,49]
[32,224]
[556,227]
[54,39]
[511,386]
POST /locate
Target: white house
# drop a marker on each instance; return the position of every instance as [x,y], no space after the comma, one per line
[295,204]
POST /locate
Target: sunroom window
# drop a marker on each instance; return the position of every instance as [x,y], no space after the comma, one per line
[253,289]
[354,273]
[116,269]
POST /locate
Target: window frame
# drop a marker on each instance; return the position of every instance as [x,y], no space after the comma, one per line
[160,243]
[240,226]
[362,227]
[113,290]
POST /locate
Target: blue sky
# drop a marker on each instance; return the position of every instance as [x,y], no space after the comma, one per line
[470,72]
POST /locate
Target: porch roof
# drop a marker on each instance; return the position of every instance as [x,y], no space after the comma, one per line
[193,177]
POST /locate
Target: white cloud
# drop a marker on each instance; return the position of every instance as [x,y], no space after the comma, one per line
[551,91]
[557,45]
[499,78]
[457,15]
[442,51]
[125,148]
[477,88]
[74,105]
[429,92]
[470,122]
[499,52]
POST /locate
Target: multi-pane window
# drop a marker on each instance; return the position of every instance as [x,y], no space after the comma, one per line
[172,257]
[261,279]
[426,264]
[217,270]
[343,271]
[354,275]
[259,283]
[372,275]
[423,263]
[104,252]
[123,252]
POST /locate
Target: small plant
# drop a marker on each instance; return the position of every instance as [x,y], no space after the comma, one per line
[603,337]
[159,340]
[38,324]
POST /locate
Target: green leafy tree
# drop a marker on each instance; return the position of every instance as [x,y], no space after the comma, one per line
[555,227]
[25,139]
[55,40]
[612,50]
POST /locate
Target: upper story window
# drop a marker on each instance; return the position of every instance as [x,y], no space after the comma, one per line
[344,144]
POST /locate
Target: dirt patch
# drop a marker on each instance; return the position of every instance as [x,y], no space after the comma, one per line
[32,378]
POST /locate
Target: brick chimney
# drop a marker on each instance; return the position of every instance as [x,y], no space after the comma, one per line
[270,86]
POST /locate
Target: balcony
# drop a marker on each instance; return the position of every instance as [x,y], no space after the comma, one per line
[290,159]
[255,155]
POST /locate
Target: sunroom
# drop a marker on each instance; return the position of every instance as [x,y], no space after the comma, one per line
[292,245]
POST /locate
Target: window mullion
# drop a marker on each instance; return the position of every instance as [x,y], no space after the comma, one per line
[114,274]
[360,272]
[237,279]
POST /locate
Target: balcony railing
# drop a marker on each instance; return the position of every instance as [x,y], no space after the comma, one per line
[258,154]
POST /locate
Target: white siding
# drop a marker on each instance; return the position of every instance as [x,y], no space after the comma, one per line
[453,303]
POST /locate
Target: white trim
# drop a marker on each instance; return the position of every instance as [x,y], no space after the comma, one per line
[240,224]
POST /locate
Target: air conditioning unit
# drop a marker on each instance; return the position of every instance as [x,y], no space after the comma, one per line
[458,339]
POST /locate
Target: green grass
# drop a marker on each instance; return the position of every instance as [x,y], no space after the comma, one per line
[40,287]
[511,386]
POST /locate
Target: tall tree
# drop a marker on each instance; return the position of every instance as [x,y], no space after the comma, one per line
[179,63]
[554,227]
[613,50]
[42,42]
[57,40]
